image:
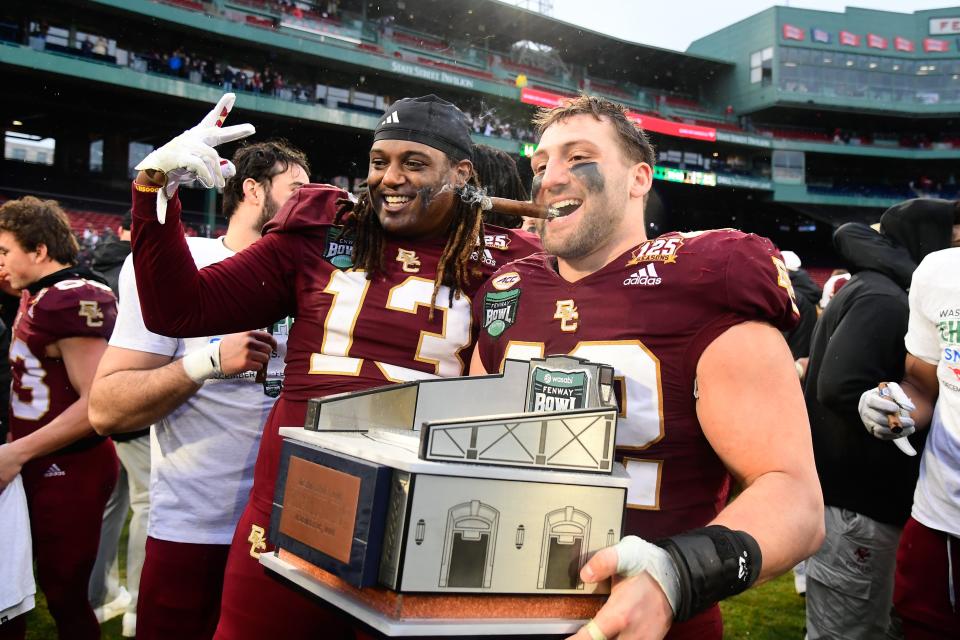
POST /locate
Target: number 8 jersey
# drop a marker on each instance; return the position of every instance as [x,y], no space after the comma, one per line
[62,305]
[650,313]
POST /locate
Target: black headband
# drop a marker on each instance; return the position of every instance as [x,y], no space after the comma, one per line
[428,120]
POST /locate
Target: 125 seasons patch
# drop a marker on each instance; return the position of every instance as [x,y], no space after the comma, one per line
[500,310]
[558,390]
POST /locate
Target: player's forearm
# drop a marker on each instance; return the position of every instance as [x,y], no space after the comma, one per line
[129,400]
[179,300]
[166,273]
[784,514]
[68,427]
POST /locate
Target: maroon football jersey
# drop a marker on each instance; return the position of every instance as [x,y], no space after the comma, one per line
[650,314]
[68,308]
[349,333]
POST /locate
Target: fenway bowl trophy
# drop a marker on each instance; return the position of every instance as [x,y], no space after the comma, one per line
[459,506]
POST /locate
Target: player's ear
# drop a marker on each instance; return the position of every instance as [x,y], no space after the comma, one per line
[641,179]
[40,253]
[461,172]
[251,190]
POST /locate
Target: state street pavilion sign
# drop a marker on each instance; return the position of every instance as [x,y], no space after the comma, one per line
[433,75]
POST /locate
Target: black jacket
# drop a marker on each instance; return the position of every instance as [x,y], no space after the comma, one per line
[108,257]
[857,343]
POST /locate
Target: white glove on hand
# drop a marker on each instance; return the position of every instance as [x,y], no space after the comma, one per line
[191,155]
[877,404]
[635,555]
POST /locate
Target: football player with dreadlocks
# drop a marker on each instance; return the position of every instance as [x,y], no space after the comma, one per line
[380,291]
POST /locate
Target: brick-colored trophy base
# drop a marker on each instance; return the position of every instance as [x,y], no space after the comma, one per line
[403,605]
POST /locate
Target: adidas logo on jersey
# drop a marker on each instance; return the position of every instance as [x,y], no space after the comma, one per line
[646,277]
[54,471]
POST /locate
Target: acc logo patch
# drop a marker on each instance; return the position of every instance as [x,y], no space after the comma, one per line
[505,280]
[338,248]
[659,250]
[500,311]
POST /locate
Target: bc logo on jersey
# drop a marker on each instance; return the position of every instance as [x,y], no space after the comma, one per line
[90,309]
[409,259]
[500,311]
[568,315]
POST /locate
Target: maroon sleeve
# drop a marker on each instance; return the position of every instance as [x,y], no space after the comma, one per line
[73,309]
[753,285]
[246,291]
[758,284]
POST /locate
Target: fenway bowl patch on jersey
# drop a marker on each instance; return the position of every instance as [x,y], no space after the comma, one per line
[500,310]
[338,248]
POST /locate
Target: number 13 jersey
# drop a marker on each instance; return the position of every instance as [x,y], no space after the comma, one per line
[650,313]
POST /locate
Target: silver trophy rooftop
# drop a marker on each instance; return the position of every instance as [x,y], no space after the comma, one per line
[501,484]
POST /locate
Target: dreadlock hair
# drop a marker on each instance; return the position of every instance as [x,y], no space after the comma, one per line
[498,175]
[455,267]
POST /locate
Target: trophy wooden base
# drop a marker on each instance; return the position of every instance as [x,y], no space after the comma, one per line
[402,614]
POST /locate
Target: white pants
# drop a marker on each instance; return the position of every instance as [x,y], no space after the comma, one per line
[132,492]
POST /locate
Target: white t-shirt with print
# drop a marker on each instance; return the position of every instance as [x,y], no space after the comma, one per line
[202,469]
[934,337]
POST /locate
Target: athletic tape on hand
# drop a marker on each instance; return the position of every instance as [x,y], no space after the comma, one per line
[635,555]
[204,363]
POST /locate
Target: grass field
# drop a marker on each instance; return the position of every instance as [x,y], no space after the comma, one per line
[772,611]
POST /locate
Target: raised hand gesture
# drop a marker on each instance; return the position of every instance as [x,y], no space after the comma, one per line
[192,155]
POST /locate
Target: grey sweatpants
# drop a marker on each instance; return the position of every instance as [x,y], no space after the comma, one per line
[850,579]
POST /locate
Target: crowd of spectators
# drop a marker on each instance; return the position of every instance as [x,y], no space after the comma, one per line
[269,80]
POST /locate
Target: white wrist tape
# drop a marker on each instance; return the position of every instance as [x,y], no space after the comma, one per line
[635,555]
[204,363]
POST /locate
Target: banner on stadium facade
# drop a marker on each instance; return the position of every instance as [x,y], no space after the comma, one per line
[944,26]
[935,45]
[876,42]
[791,32]
[547,99]
[434,75]
[903,44]
[849,39]
[820,35]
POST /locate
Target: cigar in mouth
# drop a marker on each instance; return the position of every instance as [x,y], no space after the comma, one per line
[475,195]
[519,208]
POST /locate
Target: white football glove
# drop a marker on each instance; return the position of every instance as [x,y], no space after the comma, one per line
[878,405]
[192,156]
[635,555]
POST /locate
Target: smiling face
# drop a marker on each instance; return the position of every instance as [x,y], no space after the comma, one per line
[580,169]
[411,187]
